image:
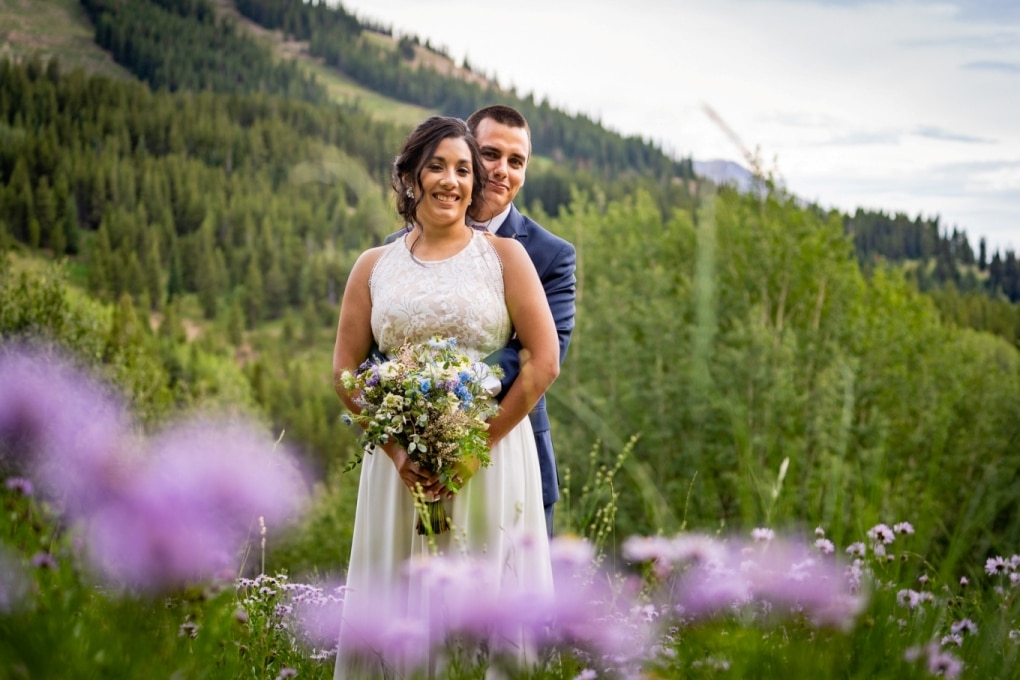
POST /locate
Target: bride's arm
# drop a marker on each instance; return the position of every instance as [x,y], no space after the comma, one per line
[354,328]
[540,351]
[353,343]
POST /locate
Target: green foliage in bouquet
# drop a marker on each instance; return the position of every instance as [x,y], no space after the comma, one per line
[433,401]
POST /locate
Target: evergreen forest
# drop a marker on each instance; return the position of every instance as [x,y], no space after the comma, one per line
[740,360]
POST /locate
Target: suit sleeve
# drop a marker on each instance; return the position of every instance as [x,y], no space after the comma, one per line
[560,285]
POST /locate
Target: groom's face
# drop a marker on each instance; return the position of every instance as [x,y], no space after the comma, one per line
[505,152]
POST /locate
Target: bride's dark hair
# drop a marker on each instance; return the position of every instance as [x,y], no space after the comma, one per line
[419,147]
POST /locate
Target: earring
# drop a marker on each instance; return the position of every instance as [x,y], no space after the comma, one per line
[410,193]
[469,201]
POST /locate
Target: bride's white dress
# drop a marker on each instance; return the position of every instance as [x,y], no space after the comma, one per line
[461,297]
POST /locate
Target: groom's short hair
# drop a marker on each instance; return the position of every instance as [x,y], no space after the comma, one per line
[504,115]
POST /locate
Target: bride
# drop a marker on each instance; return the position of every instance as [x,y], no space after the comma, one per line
[445,278]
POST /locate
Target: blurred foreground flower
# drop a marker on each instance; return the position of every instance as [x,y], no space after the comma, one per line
[156,515]
[444,598]
[192,504]
[723,576]
[59,426]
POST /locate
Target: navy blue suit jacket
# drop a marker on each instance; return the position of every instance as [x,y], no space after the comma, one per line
[555,261]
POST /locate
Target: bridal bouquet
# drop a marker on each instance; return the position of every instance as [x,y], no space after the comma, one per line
[431,400]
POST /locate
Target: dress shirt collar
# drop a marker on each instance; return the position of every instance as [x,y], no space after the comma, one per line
[495,222]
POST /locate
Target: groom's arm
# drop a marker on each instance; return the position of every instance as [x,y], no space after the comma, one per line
[560,285]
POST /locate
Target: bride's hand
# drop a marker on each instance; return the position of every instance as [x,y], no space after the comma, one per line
[414,475]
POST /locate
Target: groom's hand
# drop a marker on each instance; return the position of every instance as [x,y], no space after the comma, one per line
[464,470]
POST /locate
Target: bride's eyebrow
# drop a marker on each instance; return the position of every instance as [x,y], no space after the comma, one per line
[437,158]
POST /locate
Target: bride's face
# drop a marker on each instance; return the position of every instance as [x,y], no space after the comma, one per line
[446,181]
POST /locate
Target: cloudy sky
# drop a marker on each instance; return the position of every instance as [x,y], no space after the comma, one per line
[900,105]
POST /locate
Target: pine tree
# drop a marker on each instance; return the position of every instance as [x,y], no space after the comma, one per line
[34,233]
[175,277]
[235,323]
[154,273]
[171,327]
[45,211]
[20,202]
[102,264]
[58,240]
[309,323]
[133,282]
[69,224]
[254,295]
[275,286]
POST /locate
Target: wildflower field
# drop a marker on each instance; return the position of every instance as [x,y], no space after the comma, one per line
[118,564]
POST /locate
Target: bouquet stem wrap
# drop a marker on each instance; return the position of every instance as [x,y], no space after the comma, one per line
[432,519]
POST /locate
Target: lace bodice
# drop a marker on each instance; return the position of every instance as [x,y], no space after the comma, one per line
[461,297]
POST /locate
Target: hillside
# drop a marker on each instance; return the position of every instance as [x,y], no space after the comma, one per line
[54,28]
[341,89]
[61,29]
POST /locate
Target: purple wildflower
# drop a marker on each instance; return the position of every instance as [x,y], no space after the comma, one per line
[952,639]
[657,550]
[880,533]
[945,664]
[909,598]
[996,565]
[856,549]
[964,581]
[286,672]
[20,485]
[903,528]
[697,549]
[43,560]
[375,627]
[569,553]
[937,661]
[964,626]
[62,425]
[785,575]
[763,534]
[317,612]
[854,575]
[825,546]
[190,508]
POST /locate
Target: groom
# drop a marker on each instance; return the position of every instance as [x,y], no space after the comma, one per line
[504,139]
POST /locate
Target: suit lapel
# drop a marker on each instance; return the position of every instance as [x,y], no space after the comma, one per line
[513,226]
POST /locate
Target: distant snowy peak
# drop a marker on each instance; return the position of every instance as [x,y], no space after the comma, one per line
[725,172]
